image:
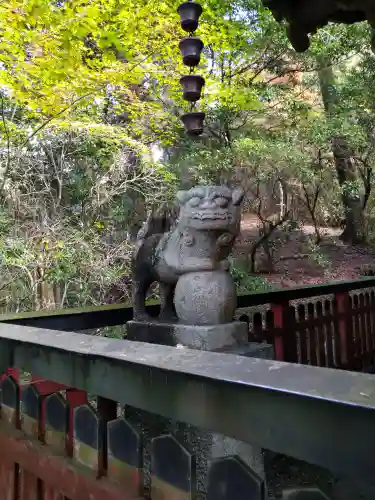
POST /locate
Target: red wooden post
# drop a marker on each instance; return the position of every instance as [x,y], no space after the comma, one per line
[343,310]
[279,316]
[285,342]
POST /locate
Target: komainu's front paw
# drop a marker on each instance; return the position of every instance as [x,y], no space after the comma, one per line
[168,317]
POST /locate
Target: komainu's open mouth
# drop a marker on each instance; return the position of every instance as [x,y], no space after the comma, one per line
[209,216]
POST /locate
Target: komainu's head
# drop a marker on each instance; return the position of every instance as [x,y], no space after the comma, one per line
[211,208]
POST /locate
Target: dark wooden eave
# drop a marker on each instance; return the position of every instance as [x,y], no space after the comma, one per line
[305,17]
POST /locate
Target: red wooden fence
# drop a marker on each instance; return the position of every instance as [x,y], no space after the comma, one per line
[54,445]
[334,332]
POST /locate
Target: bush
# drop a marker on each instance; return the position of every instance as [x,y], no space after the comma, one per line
[245,282]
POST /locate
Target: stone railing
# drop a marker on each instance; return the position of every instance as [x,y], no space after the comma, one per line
[330,325]
[125,420]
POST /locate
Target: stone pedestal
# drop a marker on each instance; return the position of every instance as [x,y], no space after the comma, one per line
[206,446]
[206,337]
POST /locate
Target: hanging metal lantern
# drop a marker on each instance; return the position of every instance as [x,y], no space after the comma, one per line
[189,15]
[193,122]
[191,48]
[192,87]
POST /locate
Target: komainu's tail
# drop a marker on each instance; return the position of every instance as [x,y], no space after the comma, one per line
[158,222]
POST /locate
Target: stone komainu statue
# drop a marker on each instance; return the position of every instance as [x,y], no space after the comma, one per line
[201,240]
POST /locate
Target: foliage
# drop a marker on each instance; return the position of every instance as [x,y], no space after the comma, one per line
[90,138]
[70,201]
[245,282]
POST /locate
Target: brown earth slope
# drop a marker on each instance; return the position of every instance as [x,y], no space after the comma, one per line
[300,263]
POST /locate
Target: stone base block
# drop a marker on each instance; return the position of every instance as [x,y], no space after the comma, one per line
[206,338]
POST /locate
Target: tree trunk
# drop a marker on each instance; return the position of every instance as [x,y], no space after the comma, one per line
[352,192]
[282,202]
[347,172]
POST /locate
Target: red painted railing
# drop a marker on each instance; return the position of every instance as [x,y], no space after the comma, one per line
[335,331]
[41,430]
[58,443]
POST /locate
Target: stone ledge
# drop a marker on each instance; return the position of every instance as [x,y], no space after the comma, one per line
[304,494]
[253,350]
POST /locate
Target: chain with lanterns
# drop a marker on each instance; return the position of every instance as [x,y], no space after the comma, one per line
[191,48]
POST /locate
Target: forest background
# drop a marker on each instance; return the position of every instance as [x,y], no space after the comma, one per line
[91,141]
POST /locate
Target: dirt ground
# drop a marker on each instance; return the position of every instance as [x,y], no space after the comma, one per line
[297,264]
